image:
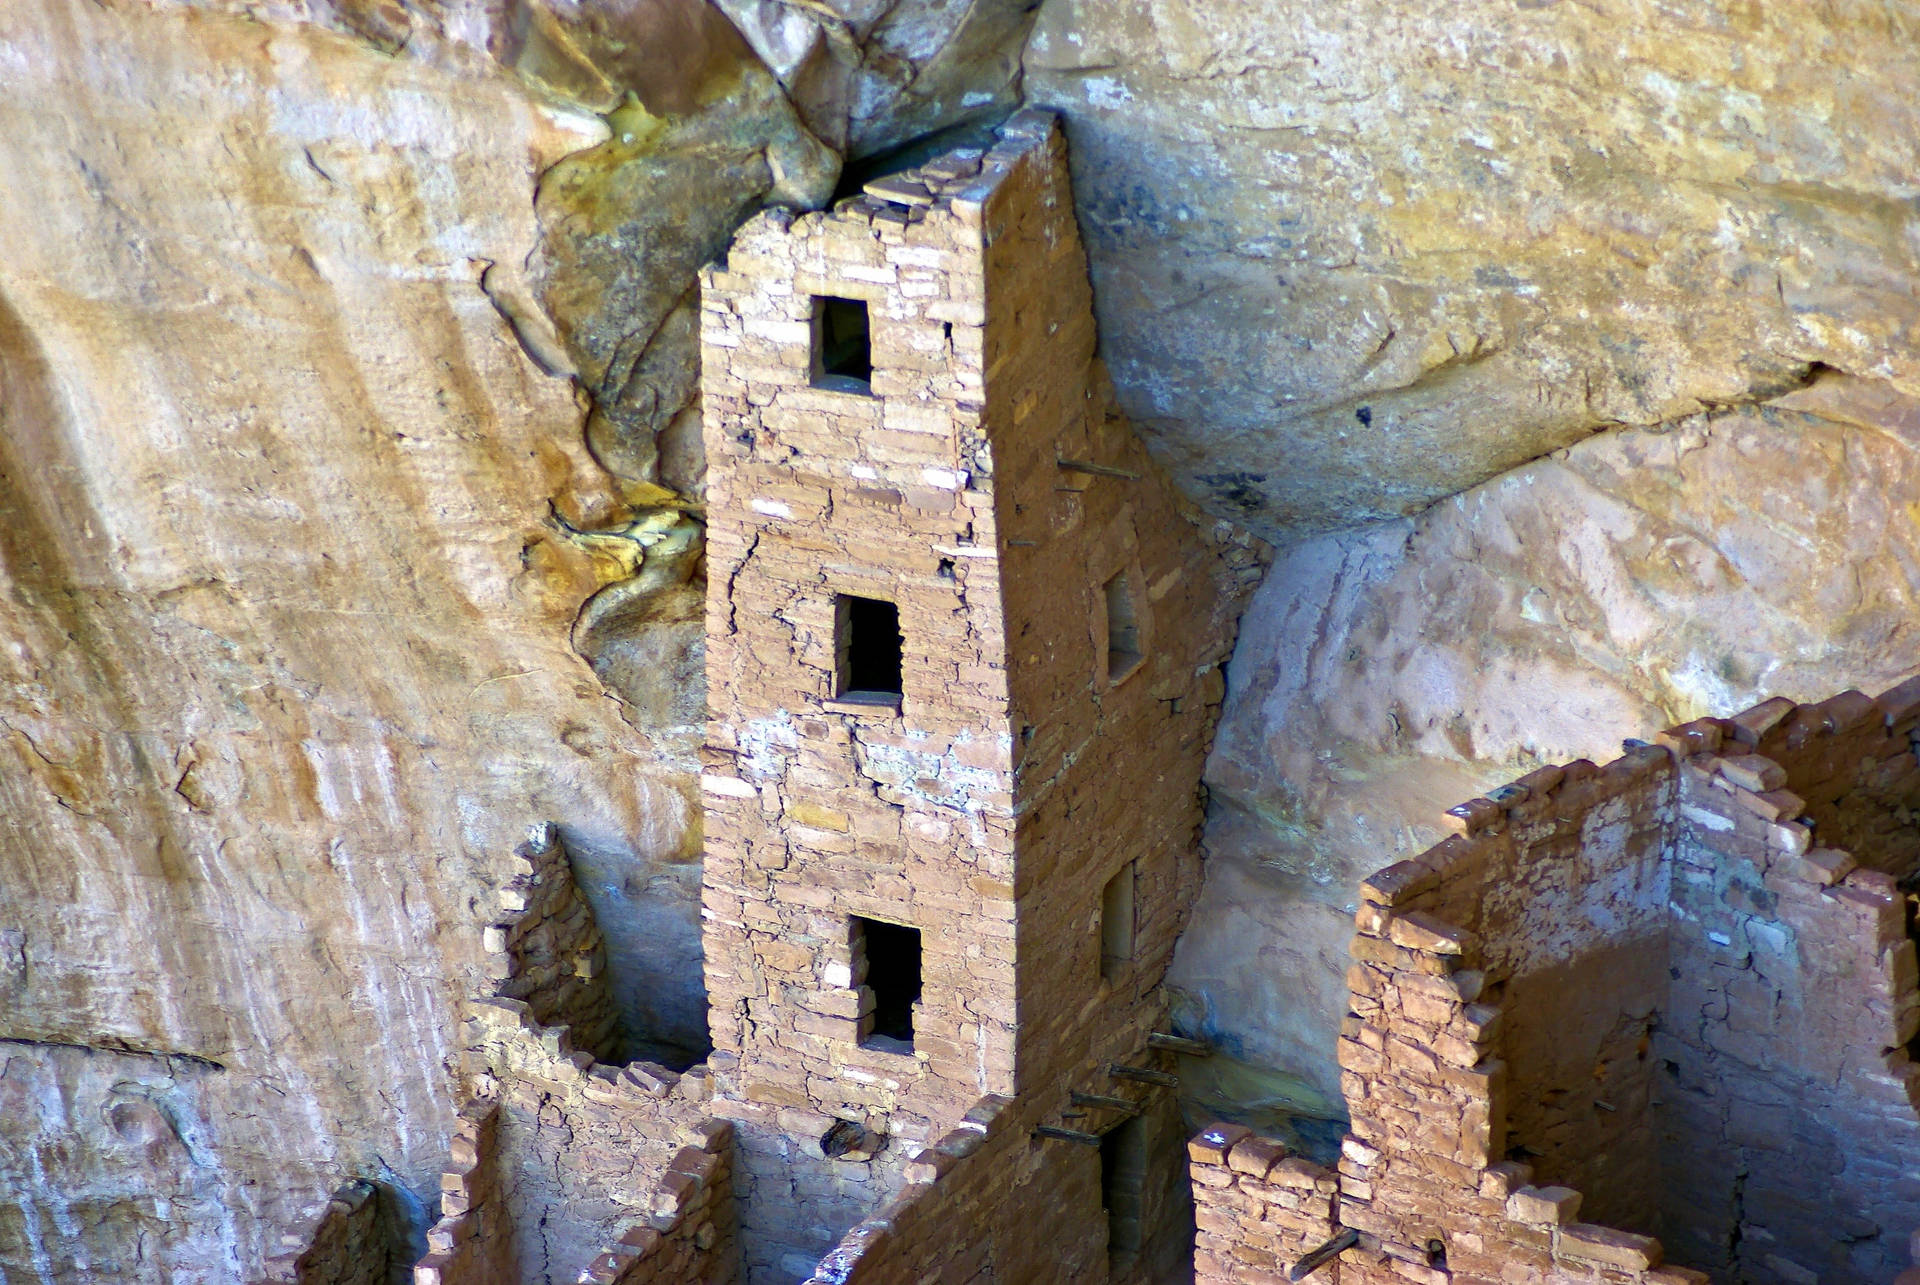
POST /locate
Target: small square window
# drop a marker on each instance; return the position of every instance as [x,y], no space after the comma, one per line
[842,345]
[866,650]
[1116,923]
[890,954]
[1123,628]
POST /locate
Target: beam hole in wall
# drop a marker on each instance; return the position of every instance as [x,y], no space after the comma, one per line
[1122,626]
[1116,923]
[842,345]
[866,649]
[1123,1184]
[891,953]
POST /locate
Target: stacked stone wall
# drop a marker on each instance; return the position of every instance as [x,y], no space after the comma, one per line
[986,489]
[1788,1115]
[1258,1208]
[472,1244]
[1851,762]
[558,1154]
[689,1238]
[581,1145]
[1558,891]
[351,1240]
[547,951]
[1646,979]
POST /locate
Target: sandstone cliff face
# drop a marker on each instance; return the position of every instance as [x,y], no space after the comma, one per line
[349,492]
[1354,257]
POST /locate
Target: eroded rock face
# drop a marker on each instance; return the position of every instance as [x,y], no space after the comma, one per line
[1352,258]
[1636,580]
[287,667]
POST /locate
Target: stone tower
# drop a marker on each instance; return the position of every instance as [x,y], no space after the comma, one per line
[963,652]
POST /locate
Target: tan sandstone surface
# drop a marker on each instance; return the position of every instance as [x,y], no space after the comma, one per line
[1353,257]
[349,486]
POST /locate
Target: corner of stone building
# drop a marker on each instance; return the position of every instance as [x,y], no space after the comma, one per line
[1635,995]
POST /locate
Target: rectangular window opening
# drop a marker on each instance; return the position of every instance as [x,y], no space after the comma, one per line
[866,649]
[1116,923]
[1123,1184]
[842,345]
[891,953]
[1123,628]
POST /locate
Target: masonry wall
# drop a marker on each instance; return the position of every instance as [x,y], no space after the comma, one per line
[547,949]
[1750,1078]
[354,1239]
[690,1235]
[558,1154]
[1562,885]
[1014,779]
[1787,1115]
[473,1242]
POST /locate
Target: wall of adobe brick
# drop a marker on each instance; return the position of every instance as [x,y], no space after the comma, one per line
[354,1239]
[1258,1209]
[1850,760]
[1014,780]
[1559,891]
[559,1154]
[472,1244]
[974,1199]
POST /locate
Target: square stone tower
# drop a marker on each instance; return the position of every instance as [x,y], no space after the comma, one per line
[963,651]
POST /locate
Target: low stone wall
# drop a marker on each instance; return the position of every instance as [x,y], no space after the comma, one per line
[690,1238]
[472,1244]
[913,1236]
[1258,1209]
[351,1240]
[547,951]
[1627,1000]
[581,1144]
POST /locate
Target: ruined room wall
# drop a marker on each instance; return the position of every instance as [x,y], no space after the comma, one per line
[1851,762]
[1639,579]
[1563,884]
[1787,1108]
[473,1241]
[548,952]
[1429,1093]
[689,1238]
[353,1239]
[1257,1209]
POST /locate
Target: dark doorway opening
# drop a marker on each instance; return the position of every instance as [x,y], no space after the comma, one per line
[892,956]
[842,345]
[1123,1185]
[866,646]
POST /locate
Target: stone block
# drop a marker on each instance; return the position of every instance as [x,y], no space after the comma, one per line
[1548,1205]
[1214,1143]
[1607,1246]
